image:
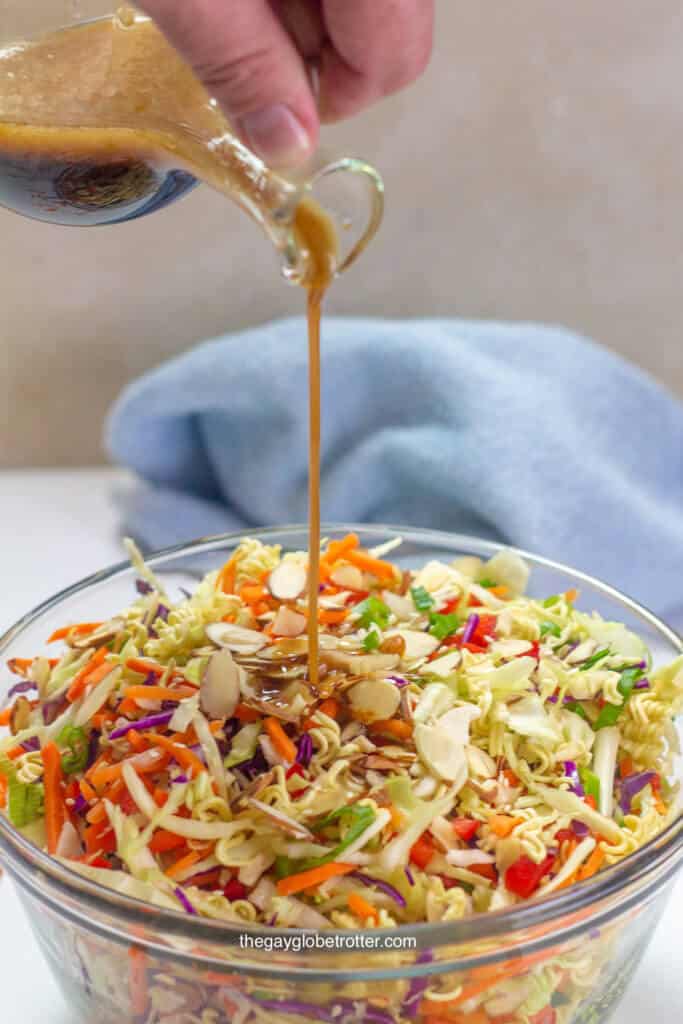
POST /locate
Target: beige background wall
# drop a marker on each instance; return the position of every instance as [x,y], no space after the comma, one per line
[536,172]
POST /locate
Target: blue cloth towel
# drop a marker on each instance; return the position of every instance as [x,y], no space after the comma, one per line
[523,433]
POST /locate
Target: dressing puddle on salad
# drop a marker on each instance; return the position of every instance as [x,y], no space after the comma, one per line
[111,143]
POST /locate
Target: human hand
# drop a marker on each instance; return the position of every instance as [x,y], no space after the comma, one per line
[254,57]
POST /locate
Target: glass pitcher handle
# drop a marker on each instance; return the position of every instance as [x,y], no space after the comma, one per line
[343,187]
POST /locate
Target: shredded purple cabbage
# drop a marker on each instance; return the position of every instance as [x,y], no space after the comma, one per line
[409,875]
[631,786]
[579,829]
[30,746]
[399,681]
[553,699]
[143,587]
[470,627]
[151,722]
[80,804]
[571,772]
[182,898]
[179,779]
[384,887]
[163,613]
[24,687]
[304,750]
[417,987]
[642,684]
[255,766]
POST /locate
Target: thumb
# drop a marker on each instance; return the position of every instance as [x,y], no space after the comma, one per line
[246,59]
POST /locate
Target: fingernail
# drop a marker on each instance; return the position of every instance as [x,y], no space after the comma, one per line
[276,135]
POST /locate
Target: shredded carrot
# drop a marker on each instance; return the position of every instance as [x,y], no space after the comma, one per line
[225,580]
[182,755]
[137,981]
[510,777]
[103,718]
[310,879]
[80,629]
[332,616]
[243,713]
[127,707]
[500,591]
[5,715]
[82,678]
[593,864]
[329,707]
[157,693]
[393,727]
[4,786]
[19,666]
[215,728]
[144,668]
[280,740]
[502,824]
[15,752]
[252,593]
[375,566]
[571,595]
[591,801]
[55,809]
[97,815]
[136,741]
[397,818]
[164,842]
[336,550]
[183,863]
[626,767]
[87,791]
[359,906]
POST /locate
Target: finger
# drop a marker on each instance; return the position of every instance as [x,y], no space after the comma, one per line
[375,48]
[246,59]
[303,20]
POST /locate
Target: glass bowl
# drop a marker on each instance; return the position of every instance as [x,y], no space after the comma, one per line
[120,961]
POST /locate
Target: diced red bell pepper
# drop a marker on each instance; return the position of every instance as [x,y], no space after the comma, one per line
[524,877]
[450,606]
[465,828]
[100,838]
[565,835]
[485,627]
[295,769]
[535,652]
[235,890]
[485,870]
[422,851]
[548,1015]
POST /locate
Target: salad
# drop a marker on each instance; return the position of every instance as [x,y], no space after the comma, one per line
[466,748]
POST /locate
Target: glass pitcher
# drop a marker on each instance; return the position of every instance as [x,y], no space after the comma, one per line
[101,122]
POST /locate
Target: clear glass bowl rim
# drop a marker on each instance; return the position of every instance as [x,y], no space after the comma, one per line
[649,867]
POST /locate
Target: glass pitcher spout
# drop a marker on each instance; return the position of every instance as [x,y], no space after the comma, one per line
[101,121]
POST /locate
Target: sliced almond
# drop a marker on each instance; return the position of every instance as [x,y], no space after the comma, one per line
[287,824]
[288,623]
[69,844]
[236,638]
[287,581]
[444,666]
[20,715]
[348,577]
[402,607]
[374,700]
[219,692]
[440,754]
[103,635]
[582,652]
[417,644]
[361,664]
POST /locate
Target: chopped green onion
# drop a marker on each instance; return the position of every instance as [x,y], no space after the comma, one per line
[595,658]
[590,783]
[371,641]
[361,817]
[75,757]
[578,709]
[550,627]
[422,599]
[550,601]
[611,712]
[284,866]
[374,612]
[442,626]
[488,584]
[25,800]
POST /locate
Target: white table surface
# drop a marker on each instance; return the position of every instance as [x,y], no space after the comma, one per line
[61,526]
